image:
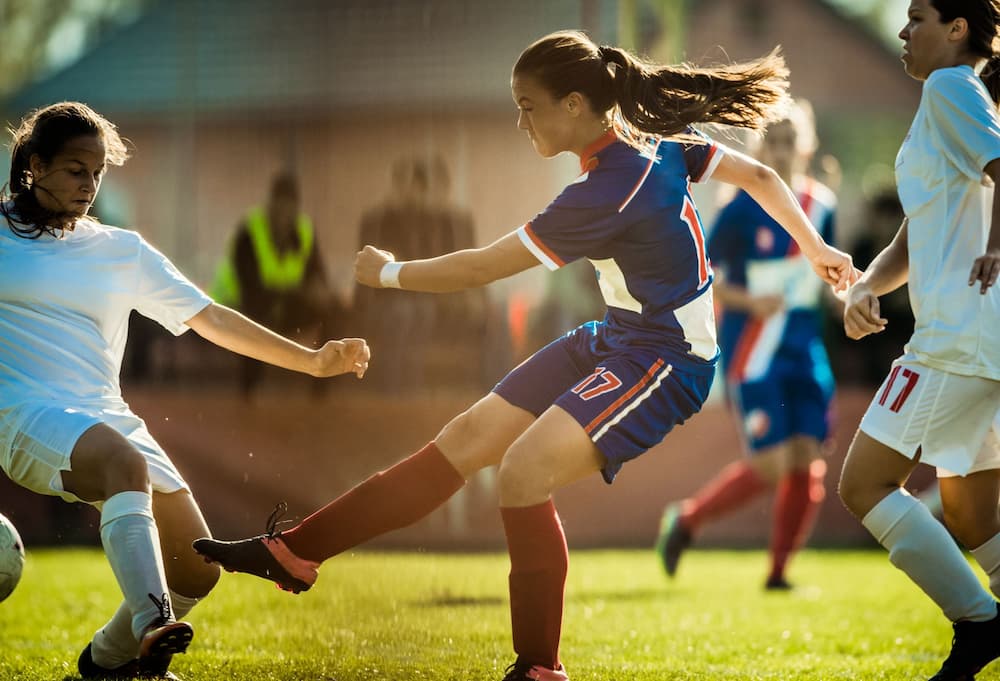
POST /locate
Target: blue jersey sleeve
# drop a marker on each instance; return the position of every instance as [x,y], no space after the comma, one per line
[583,218]
[701,158]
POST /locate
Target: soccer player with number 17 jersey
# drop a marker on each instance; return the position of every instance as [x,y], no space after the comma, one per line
[610,390]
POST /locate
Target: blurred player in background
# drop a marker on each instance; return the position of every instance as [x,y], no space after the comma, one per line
[67,286]
[607,391]
[940,398]
[778,377]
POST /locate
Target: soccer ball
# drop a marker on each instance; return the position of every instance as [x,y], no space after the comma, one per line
[11,557]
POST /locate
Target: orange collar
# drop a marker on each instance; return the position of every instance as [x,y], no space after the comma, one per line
[587,160]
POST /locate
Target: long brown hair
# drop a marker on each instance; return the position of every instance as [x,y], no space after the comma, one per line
[657,99]
[45,132]
[983,18]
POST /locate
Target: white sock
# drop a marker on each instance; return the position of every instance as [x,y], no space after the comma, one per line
[921,547]
[128,533]
[988,557]
[114,644]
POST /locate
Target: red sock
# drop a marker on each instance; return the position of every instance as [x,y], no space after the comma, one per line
[797,500]
[735,485]
[393,498]
[538,564]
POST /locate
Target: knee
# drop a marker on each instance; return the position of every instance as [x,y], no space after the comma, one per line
[125,470]
[469,443]
[852,494]
[519,483]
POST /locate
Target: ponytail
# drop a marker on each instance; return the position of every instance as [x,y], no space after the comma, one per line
[666,100]
[653,99]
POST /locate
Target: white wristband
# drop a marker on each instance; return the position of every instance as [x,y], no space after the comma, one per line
[388,276]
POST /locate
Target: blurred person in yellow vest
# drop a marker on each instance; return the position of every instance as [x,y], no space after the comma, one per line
[274,274]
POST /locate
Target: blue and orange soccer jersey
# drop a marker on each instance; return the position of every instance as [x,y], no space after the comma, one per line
[632,216]
[649,365]
[777,365]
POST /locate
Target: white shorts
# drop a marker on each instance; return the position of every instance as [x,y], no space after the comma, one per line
[947,418]
[37,439]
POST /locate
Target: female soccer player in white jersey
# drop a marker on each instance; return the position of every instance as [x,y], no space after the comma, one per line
[778,377]
[940,397]
[67,286]
[607,391]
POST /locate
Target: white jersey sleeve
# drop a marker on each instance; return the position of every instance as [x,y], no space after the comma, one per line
[963,119]
[164,294]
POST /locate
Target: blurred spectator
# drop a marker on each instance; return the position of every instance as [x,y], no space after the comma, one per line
[864,361]
[399,324]
[274,274]
[461,316]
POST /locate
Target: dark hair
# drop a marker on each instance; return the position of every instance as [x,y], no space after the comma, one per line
[983,18]
[654,99]
[45,132]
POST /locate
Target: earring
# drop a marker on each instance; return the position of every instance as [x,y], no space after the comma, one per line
[28,179]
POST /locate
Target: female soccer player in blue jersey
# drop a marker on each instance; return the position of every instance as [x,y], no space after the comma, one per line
[778,377]
[67,286]
[938,402]
[608,391]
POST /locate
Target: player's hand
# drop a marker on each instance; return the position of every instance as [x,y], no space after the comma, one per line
[834,267]
[762,307]
[985,270]
[368,265]
[861,313]
[350,355]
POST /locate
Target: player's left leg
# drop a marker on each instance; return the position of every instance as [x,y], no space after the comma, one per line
[552,452]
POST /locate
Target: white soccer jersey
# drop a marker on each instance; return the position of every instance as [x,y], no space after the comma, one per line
[64,308]
[939,175]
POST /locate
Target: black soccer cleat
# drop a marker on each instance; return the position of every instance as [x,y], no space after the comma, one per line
[672,539]
[265,556]
[974,645]
[165,638]
[525,671]
[777,584]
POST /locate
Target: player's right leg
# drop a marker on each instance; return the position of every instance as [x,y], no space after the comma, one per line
[389,500]
[105,466]
[871,488]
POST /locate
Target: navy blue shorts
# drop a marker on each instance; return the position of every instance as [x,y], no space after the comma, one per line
[792,398]
[626,400]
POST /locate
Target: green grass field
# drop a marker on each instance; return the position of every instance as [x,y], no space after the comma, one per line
[405,616]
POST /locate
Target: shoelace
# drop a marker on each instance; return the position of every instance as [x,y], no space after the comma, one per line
[163,605]
[275,519]
[515,672]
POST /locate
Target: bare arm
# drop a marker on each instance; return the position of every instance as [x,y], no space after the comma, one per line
[888,271]
[455,271]
[738,298]
[229,329]
[772,194]
[986,268]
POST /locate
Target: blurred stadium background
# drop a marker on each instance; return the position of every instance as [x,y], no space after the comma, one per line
[217,96]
